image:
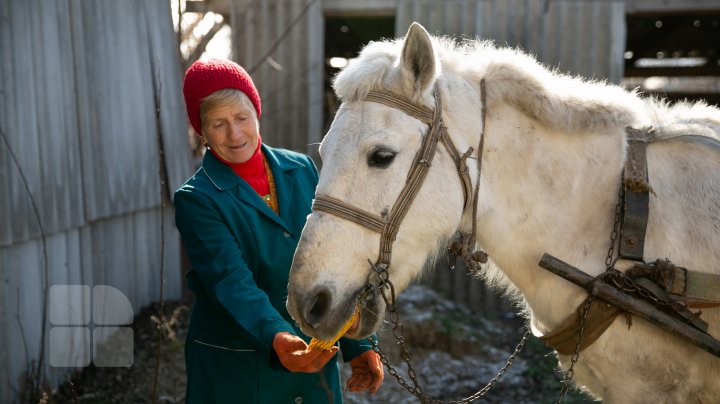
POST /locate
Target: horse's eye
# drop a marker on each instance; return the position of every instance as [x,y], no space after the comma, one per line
[381,158]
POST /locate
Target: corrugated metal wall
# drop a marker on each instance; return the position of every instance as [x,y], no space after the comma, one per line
[585,37]
[77,105]
[280,42]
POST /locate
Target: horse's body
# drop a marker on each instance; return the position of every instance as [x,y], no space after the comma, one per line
[551,169]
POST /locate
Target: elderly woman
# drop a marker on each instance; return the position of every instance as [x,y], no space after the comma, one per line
[240,217]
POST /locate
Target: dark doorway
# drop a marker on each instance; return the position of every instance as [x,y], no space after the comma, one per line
[676,56]
[344,38]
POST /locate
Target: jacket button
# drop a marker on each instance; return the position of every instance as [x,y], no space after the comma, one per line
[298,400]
[288,235]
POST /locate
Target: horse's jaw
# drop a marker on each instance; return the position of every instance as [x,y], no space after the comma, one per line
[323,313]
[328,280]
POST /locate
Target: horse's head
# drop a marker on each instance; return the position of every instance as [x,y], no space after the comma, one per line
[367,155]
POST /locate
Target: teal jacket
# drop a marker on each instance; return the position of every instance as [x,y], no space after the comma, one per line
[241,252]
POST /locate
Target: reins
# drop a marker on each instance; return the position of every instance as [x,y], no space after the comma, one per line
[378,278]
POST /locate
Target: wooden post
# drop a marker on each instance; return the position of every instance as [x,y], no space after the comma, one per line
[631,304]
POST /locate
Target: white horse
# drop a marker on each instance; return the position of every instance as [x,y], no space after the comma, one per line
[553,153]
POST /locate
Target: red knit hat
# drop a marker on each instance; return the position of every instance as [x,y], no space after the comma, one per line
[203,78]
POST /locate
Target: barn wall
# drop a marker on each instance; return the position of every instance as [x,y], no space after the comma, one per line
[280,43]
[585,37]
[78,87]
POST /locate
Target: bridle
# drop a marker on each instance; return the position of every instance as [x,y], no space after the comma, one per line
[388,227]
[437,133]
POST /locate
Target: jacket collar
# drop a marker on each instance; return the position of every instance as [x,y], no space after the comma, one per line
[224,179]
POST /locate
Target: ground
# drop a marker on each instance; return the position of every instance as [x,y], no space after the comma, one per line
[454,352]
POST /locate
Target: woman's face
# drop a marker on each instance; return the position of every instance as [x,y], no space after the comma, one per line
[232,131]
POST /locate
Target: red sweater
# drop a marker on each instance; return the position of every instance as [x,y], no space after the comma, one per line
[252,171]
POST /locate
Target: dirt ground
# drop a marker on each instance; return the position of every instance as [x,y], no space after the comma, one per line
[455,353]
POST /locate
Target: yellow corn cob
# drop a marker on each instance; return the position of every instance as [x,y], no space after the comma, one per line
[326,345]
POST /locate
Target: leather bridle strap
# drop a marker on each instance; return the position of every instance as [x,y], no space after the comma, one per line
[425,115]
[341,209]
[416,176]
[418,171]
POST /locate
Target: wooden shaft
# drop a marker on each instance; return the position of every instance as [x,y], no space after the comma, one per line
[631,304]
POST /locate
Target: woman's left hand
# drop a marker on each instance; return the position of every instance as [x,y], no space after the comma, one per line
[367,372]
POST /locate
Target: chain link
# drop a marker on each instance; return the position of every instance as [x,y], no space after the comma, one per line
[576,354]
[384,285]
[609,260]
[610,272]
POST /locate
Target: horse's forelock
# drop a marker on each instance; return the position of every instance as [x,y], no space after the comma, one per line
[370,70]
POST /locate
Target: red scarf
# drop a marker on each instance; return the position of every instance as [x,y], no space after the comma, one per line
[252,171]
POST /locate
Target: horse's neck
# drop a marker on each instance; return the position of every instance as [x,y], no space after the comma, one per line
[546,191]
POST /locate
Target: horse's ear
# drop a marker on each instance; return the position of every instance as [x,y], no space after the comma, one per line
[418,57]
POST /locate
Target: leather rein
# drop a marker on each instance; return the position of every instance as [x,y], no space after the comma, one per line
[388,225]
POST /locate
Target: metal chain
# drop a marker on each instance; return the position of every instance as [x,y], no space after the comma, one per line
[383,284]
[576,354]
[626,284]
[610,272]
[609,260]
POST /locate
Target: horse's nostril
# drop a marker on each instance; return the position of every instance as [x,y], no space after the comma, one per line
[318,307]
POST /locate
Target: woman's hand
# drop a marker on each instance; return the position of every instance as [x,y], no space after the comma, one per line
[295,355]
[367,372]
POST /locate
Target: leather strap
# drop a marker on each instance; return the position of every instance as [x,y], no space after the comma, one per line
[564,338]
[636,200]
[328,204]
[425,114]
[694,289]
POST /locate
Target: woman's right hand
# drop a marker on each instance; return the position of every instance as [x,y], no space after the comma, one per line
[295,355]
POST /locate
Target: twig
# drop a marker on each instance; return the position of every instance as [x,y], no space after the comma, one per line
[162,177]
[37,373]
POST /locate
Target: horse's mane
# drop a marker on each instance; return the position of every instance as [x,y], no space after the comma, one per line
[559,101]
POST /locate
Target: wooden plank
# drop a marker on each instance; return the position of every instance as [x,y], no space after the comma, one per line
[654,6]
[364,8]
[631,304]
